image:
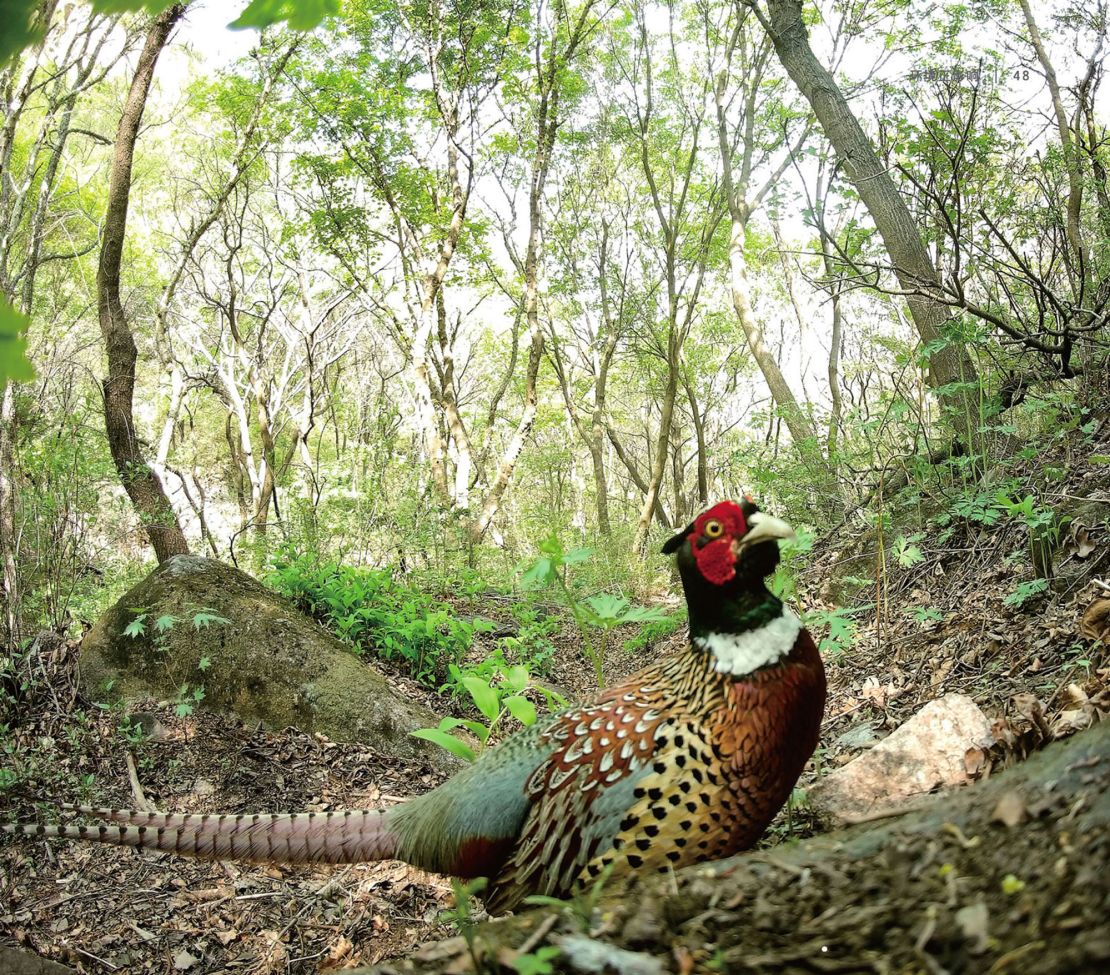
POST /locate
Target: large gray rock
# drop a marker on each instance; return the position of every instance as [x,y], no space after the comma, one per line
[268,662]
[927,752]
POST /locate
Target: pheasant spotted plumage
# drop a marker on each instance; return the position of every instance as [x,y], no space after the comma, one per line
[688,760]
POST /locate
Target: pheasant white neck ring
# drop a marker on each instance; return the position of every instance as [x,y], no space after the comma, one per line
[742,653]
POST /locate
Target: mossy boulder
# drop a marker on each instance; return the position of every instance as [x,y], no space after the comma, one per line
[207,625]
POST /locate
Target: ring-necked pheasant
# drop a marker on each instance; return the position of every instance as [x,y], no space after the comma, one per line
[688,760]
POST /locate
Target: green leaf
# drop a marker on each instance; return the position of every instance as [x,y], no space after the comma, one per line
[137,627]
[577,555]
[522,709]
[607,607]
[130,6]
[16,35]
[448,742]
[516,678]
[1025,591]
[204,619]
[14,363]
[537,962]
[539,575]
[300,14]
[204,663]
[643,614]
[476,728]
[484,696]
[164,623]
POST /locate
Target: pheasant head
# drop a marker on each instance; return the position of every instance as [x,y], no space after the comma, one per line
[724,555]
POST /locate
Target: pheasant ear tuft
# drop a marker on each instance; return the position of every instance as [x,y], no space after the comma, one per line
[674,543]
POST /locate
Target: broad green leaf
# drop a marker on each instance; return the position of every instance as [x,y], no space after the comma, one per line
[137,627]
[540,574]
[300,14]
[517,678]
[484,696]
[14,363]
[445,741]
[522,709]
[607,606]
[552,548]
[164,623]
[643,614]
[15,35]
[204,619]
[476,728]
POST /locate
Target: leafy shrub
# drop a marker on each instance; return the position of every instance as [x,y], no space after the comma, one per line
[370,611]
[530,645]
[1024,592]
[842,627]
[498,692]
[595,616]
[652,633]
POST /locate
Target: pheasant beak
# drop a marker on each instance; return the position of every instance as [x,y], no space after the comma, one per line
[763,528]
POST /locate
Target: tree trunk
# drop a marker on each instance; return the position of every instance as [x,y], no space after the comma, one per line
[9,571]
[662,445]
[547,126]
[951,371]
[1067,143]
[699,434]
[141,483]
[460,439]
[797,422]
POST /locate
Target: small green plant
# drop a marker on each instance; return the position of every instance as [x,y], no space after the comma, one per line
[1026,510]
[595,615]
[582,904]
[652,633]
[1024,592]
[8,776]
[463,917]
[530,645]
[538,962]
[496,699]
[1041,524]
[906,551]
[927,614]
[783,582]
[189,693]
[842,626]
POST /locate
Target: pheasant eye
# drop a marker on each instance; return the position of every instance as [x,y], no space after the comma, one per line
[713,529]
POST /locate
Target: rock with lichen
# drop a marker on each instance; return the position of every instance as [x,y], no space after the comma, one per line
[196,623]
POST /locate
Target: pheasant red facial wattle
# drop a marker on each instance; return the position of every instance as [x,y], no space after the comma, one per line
[688,760]
[714,539]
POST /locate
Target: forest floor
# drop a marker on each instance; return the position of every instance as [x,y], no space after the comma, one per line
[105,910]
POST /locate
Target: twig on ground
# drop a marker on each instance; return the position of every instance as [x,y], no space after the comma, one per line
[141,801]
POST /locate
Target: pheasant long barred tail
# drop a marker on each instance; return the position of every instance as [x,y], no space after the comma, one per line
[333,837]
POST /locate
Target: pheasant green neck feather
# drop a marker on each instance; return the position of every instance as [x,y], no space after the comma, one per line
[750,631]
[736,612]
